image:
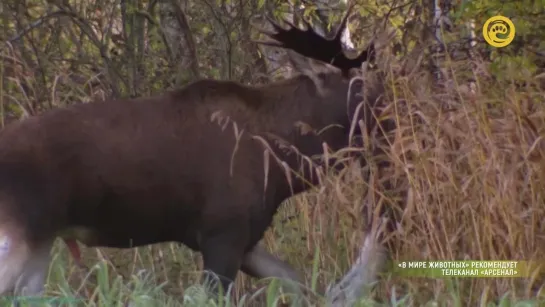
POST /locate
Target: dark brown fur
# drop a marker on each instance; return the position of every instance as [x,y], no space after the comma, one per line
[132,172]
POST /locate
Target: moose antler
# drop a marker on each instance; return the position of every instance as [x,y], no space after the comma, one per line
[312,45]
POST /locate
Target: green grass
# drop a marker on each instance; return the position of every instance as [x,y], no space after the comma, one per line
[106,285]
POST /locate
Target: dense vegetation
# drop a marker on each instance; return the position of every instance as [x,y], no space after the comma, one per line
[468,148]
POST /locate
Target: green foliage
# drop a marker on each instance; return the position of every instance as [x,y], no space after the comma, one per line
[513,67]
[527,16]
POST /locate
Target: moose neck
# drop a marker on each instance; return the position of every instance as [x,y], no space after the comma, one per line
[295,113]
[293,117]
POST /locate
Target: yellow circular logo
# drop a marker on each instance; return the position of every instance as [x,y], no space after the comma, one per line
[499,25]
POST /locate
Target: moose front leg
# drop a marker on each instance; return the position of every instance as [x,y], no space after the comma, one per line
[259,263]
[222,254]
[365,270]
[375,250]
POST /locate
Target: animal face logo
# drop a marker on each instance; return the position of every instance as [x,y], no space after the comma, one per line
[498,31]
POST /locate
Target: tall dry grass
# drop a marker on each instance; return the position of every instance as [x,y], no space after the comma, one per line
[472,163]
[475,172]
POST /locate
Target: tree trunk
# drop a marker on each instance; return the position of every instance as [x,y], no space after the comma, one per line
[179,39]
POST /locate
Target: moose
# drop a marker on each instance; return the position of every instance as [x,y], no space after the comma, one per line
[205,165]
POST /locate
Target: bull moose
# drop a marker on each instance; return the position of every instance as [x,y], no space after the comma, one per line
[202,165]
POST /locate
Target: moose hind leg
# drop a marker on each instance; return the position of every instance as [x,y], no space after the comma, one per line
[22,267]
[33,277]
[13,255]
